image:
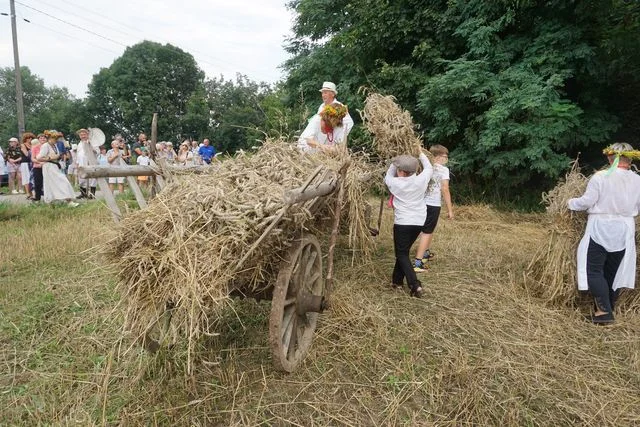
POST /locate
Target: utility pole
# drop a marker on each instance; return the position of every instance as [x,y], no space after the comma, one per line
[16,60]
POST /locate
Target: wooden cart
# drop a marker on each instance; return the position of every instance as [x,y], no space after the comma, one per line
[301,290]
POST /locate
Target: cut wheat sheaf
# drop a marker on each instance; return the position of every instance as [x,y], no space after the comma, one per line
[552,272]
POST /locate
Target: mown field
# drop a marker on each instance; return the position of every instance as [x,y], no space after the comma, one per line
[476,350]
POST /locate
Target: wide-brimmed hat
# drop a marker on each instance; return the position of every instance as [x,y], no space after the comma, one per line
[329,86]
[406,163]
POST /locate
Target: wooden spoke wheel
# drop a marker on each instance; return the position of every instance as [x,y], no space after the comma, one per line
[298,297]
[160,334]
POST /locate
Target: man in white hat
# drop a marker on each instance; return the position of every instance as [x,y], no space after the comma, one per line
[329,92]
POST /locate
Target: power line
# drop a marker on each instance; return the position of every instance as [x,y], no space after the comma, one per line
[84,18]
[39,24]
[73,25]
[200,54]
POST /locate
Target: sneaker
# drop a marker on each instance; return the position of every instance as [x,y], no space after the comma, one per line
[14,192]
[428,256]
[419,266]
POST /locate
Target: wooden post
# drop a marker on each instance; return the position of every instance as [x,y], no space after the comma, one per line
[103,185]
[153,153]
[122,170]
[154,136]
[133,184]
[334,234]
[298,195]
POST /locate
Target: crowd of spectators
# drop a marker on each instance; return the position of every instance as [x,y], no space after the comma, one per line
[21,171]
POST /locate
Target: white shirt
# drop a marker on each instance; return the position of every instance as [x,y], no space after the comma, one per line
[81,157]
[3,166]
[434,190]
[143,160]
[347,121]
[609,198]
[313,131]
[408,194]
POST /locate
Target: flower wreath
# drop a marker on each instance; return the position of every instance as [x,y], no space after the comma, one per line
[51,133]
[333,114]
[629,154]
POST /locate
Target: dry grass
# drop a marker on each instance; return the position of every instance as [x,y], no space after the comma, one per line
[476,350]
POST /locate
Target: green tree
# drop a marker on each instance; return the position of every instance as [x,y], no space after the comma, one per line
[515,88]
[147,78]
[242,112]
[44,107]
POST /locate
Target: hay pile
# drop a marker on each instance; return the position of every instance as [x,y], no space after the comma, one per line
[186,246]
[552,272]
[392,128]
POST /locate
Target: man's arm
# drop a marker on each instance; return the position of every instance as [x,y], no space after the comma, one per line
[589,198]
[391,173]
[347,122]
[427,169]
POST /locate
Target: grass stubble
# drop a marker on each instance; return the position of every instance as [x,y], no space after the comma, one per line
[478,349]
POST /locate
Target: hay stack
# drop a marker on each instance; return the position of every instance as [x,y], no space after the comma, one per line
[186,245]
[392,127]
[552,272]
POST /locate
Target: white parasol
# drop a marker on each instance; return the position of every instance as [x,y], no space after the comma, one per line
[96,137]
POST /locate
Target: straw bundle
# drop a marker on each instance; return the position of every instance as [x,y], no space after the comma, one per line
[552,271]
[392,127]
[185,247]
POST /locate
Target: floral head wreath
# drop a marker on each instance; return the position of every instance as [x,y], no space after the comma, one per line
[52,133]
[618,150]
[333,114]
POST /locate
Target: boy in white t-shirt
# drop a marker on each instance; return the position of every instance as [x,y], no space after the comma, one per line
[408,190]
[438,189]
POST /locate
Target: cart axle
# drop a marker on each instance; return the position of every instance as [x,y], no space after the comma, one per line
[309,303]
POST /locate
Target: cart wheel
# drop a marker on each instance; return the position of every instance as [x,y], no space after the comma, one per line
[160,333]
[298,297]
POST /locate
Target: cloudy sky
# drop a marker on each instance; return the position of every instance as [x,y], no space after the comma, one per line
[67,41]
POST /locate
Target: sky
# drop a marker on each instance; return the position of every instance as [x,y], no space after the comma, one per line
[68,41]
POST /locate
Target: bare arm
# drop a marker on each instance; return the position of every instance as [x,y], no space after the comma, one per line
[446,194]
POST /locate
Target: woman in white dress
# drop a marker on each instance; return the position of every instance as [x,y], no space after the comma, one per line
[56,185]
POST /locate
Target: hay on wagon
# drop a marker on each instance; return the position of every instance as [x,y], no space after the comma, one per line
[186,246]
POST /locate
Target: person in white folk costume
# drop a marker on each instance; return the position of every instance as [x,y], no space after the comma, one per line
[87,186]
[325,131]
[607,252]
[410,213]
[329,91]
[55,184]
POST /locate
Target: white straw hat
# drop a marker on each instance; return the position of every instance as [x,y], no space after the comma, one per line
[329,86]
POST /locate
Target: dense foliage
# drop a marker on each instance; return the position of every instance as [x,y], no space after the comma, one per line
[515,88]
[44,107]
[147,78]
